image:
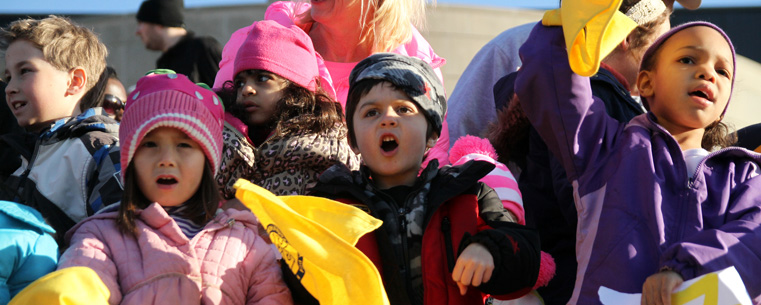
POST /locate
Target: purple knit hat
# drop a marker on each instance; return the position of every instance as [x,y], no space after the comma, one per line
[172,100]
[659,42]
[285,51]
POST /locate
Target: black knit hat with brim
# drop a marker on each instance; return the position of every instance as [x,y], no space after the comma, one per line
[164,12]
[412,75]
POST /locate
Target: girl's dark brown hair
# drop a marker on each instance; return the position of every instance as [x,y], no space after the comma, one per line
[201,207]
[301,110]
[298,111]
[718,135]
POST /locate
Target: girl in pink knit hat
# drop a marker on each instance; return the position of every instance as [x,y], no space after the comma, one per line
[167,243]
[283,129]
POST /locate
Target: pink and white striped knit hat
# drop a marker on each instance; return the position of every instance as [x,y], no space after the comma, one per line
[172,100]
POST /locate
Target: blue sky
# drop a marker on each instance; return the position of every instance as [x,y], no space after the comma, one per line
[128,6]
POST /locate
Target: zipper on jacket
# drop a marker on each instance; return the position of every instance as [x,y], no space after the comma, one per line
[446,228]
[401,213]
[702,163]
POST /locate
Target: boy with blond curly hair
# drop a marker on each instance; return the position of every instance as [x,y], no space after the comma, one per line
[70,152]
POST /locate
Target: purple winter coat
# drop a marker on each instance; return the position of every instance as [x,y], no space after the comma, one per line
[638,210]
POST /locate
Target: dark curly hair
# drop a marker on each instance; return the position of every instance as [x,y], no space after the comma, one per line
[299,111]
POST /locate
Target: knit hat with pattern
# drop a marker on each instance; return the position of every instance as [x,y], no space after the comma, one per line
[172,100]
[412,75]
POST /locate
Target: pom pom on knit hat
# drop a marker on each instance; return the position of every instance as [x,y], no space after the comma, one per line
[285,51]
[546,270]
[471,145]
[164,12]
[172,100]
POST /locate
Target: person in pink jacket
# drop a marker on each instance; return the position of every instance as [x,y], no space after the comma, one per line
[342,40]
[167,243]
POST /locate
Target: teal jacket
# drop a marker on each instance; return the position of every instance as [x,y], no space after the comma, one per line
[27,249]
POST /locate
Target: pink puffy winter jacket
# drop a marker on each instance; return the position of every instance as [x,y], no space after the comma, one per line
[226,263]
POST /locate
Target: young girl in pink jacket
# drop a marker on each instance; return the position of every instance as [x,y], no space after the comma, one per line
[167,243]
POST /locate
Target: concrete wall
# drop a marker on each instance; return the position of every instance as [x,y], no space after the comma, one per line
[127,53]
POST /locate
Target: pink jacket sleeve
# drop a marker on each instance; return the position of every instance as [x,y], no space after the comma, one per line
[266,280]
[87,249]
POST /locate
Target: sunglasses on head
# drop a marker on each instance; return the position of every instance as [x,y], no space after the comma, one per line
[111,103]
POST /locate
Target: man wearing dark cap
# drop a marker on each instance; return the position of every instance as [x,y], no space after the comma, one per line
[161,27]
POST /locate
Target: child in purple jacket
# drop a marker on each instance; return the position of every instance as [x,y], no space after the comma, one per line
[656,204]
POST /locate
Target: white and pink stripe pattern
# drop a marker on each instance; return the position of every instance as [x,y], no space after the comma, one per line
[500,179]
[172,100]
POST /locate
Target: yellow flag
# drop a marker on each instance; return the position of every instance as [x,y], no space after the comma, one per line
[592,29]
[68,286]
[316,237]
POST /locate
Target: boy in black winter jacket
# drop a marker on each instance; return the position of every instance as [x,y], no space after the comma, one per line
[443,231]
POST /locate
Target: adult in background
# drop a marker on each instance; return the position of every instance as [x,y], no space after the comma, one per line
[161,27]
[345,32]
[472,105]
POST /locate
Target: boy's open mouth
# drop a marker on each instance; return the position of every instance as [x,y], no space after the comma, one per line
[388,143]
[17,105]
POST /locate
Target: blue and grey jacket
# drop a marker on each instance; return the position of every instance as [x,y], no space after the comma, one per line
[639,211]
[72,170]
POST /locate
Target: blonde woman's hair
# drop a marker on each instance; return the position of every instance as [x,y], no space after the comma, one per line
[64,44]
[389,24]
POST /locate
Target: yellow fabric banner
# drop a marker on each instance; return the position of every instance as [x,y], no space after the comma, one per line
[316,237]
[592,29]
[68,286]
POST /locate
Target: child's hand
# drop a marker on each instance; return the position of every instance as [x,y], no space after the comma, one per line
[658,287]
[473,267]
